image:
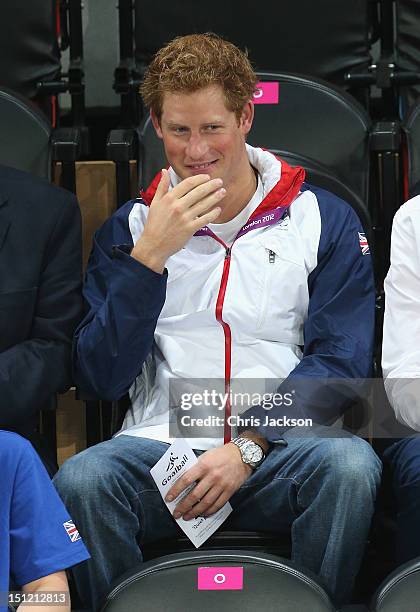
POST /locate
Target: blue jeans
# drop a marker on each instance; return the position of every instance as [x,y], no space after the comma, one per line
[321,488]
[404,457]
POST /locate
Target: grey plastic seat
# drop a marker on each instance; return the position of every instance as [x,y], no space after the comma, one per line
[400,591]
[29,143]
[282,36]
[171,583]
[314,125]
[407,13]
[24,135]
[152,158]
[32,35]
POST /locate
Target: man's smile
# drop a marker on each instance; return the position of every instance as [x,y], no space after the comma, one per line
[201,166]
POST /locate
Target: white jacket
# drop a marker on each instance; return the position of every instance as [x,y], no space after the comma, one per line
[292,298]
[401,340]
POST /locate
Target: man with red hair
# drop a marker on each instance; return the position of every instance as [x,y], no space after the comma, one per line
[228,267]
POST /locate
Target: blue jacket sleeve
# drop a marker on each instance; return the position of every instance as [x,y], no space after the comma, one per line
[339,329]
[124,300]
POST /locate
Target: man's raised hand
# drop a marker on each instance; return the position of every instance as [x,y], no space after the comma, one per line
[175,216]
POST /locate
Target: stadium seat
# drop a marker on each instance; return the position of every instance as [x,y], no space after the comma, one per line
[327,51]
[408,50]
[29,143]
[396,68]
[313,125]
[301,40]
[400,591]
[187,581]
[32,35]
[318,126]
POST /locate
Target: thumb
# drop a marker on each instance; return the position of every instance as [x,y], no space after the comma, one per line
[164,183]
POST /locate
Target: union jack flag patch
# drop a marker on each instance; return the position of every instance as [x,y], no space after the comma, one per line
[364,245]
[72,532]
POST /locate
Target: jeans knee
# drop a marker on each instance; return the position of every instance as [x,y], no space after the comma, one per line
[80,476]
[353,463]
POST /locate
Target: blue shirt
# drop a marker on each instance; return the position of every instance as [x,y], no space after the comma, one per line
[37,535]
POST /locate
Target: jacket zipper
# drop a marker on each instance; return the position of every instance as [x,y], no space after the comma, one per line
[228,341]
[227,434]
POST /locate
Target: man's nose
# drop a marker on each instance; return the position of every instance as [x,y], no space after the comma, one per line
[197,147]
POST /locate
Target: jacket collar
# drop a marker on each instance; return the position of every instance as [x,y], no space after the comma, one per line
[4,220]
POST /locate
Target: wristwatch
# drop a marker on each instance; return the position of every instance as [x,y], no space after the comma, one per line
[252,454]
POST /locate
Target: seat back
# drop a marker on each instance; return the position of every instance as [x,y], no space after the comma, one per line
[281,36]
[190,581]
[333,44]
[32,36]
[24,136]
[408,46]
[400,590]
[318,121]
[152,159]
[320,176]
[312,125]
[29,45]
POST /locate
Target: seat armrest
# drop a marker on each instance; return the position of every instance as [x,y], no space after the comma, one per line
[122,145]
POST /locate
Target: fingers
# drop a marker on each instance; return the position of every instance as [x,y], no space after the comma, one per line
[194,497]
[203,507]
[203,496]
[204,206]
[200,192]
[192,191]
[184,482]
[164,183]
[189,184]
[218,503]
[209,217]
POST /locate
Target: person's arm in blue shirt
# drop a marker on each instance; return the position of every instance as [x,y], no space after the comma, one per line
[43,539]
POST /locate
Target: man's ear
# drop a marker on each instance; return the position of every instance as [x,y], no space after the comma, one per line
[247,117]
[156,124]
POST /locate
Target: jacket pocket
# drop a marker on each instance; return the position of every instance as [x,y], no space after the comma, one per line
[284,294]
[16,315]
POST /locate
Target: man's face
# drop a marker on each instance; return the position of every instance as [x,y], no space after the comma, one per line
[201,136]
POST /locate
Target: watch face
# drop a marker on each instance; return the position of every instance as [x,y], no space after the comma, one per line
[252,453]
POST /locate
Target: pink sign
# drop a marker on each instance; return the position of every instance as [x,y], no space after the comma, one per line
[220,578]
[267,92]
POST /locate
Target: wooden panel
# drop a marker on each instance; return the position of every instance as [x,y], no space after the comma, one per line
[96,192]
[71,426]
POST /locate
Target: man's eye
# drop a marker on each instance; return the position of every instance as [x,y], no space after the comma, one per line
[179,130]
[211,128]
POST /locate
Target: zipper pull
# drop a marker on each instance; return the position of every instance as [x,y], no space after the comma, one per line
[228,250]
[271,257]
